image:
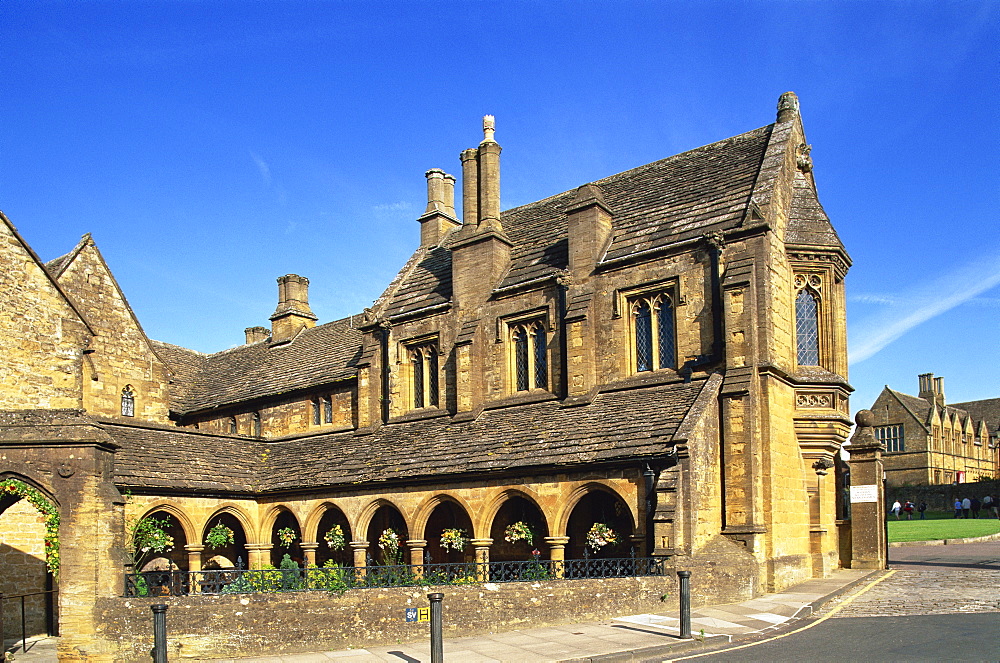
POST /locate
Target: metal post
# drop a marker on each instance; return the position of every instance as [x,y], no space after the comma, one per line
[685,579]
[24,628]
[1,623]
[159,633]
[437,645]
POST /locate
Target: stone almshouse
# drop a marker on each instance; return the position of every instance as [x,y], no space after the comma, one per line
[928,442]
[662,352]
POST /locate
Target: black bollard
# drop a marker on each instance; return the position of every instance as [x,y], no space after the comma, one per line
[159,633]
[437,644]
[685,578]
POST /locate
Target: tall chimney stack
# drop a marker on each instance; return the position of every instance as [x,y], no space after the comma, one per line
[439,217]
[470,187]
[256,334]
[293,313]
[489,178]
[931,388]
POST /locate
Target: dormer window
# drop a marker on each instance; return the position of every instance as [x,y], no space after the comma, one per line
[128,401]
[423,375]
[653,335]
[530,359]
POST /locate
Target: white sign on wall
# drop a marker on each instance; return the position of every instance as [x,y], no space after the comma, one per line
[862,494]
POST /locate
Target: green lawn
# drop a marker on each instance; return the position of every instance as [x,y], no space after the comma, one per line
[940,525]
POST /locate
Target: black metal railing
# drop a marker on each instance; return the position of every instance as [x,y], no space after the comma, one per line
[51,624]
[337,578]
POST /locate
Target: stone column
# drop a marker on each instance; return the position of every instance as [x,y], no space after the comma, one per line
[416,547]
[482,556]
[869,548]
[557,553]
[194,551]
[309,550]
[360,549]
[259,553]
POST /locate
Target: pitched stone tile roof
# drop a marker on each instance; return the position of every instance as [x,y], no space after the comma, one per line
[808,222]
[652,206]
[324,354]
[986,410]
[167,457]
[184,367]
[620,426]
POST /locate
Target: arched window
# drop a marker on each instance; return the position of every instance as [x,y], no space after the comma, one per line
[128,401]
[424,375]
[807,328]
[530,360]
[233,428]
[653,333]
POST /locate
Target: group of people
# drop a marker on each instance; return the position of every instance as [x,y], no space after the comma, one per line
[972,507]
[969,507]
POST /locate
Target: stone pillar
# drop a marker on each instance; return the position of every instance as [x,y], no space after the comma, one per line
[309,550]
[416,547]
[194,551]
[482,556]
[360,549]
[869,548]
[259,553]
[557,553]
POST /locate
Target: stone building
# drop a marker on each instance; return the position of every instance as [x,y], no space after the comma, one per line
[662,351]
[929,442]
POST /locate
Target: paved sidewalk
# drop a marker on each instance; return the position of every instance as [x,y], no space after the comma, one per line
[627,638]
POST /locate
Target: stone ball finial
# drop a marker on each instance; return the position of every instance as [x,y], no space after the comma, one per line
[788,106]
[489,127]
[864,418]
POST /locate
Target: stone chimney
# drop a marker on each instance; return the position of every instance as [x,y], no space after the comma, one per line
[480,253]
[439,217]
[256,334]
[931,388]
[788,107]
[293,313]
[588,226]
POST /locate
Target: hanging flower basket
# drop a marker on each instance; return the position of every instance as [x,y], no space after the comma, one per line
[219,536]
[389,541]
[335,538]
[286,536]
[454,539]
[519,531]
[600,535]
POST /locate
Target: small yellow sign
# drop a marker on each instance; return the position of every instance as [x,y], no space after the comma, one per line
[423,614]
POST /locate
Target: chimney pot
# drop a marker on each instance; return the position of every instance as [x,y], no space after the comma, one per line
[256,334]
[293,312]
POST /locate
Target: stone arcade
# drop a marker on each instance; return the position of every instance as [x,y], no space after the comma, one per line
[662,351]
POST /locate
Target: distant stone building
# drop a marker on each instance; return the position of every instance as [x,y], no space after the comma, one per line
[929,442]
[662,352]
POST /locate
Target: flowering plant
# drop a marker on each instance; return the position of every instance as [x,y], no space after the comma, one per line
[454,539]
[389,543]
[601,535]
[286,535]
[49,513]
[519,531]
[219,536]
[335,538]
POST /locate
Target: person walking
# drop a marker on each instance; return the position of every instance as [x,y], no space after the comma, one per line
[966,507]
[921,508]
[958,508]
[975,507]
[896,506]
[908,509]
[989,506]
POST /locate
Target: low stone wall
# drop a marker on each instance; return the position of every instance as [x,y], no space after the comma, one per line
[942,497]
[228,626]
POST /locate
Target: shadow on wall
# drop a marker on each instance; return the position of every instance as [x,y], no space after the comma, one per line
[22,568]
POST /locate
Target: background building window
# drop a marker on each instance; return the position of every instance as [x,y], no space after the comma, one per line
[807,328]
[128,401]
[327,409]
[530,356]
[424,363]
[890,436]
[653,333]
[316,412]
[233,428]
[256,424]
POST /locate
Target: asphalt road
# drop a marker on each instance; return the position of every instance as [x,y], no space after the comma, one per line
[940,603]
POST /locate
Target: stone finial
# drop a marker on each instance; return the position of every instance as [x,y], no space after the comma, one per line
[489,127]
[864,418]
[788,106]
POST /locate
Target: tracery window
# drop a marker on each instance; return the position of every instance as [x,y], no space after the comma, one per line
[128,401]
[530,360]
[424,375]
[891,436]
[653,334]
[807,320]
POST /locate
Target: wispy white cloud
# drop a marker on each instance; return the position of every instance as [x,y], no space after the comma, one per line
[925,301]
[401,206]
[265,170]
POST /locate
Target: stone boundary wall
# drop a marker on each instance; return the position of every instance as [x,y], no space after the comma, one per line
[942,497]
[229,626]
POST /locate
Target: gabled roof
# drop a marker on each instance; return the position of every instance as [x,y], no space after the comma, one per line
[808,223]
[963,413]
[986,410]
[652,206]
[615,428]
[324,354]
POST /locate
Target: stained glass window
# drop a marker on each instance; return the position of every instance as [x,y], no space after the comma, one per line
[521,358]
[807,328]
[529,361]
[418,379]
[665,333]
[643,337]
[128,402]
[541,362]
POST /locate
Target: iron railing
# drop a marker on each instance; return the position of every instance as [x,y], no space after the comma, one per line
[51,624]
[336,578]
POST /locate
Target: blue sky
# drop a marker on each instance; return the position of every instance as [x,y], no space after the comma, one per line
[211,147]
